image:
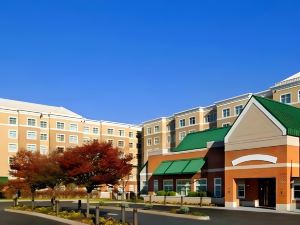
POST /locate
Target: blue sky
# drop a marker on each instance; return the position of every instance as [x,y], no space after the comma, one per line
[131,61]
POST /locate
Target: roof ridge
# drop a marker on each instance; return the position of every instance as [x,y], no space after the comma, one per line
[207,130]
[279,103]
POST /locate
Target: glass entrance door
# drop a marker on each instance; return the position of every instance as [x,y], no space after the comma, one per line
[267,192]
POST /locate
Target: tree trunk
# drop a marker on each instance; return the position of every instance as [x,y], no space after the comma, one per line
[32,200]
[88,205]
[53,198]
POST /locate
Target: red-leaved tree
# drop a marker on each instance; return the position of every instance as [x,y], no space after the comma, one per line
[94,164]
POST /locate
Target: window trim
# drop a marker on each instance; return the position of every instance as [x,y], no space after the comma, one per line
[192,124]
[123,144]
[296,184]
[46,147]
[237,189]
[168,180]
[217,185]
[61,141]
[12,117]
[180,125]
[148,141]
[72,124]
[43,134]
[12,137]
[190,186]
[112,129]
[72,135]
[30,118]
[64,125]
[155,181]
[180,136]
[235,109]
[196,185]
[16,144]
[97,128]
[288,93]
[30,145]
[227,116]
[32,131]
[156,143]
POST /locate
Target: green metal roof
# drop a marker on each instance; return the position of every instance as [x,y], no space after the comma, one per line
[184,166]
[287,115]
[198,140]
[3,180]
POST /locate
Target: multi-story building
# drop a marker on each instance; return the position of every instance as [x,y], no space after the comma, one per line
[243,151]
[43,128]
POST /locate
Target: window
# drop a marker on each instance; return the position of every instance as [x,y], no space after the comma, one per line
[86,140]
[296,189]
[238,110]
[131,134]
[31,135]
[286,98]
[192,120]
[110,131]
[10,160]
[201,185]
[156,129]
[60,125]
[168,185]
[12,134]
[31,147]
[149,130]
[225,124]
[12,120]
[182,135]
[130,145]
[86,130]
[12,147]
[226,113]
[156,140]
[43,124]
[149,142]
[43,149]
[210,118]
[73,127]
[95,130]
[241,191]
[183,187]
[44,137]
[31,122]
[60,138]
[155,186]
[121,144]
[110,141]
[60,149]
[182,123]
[298,96]
[217,187]
[121,133]
[73,139]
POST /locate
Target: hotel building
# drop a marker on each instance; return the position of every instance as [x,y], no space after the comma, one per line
[43,128]
[243,150]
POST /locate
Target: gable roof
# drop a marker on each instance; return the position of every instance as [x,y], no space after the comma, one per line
[287,115]
[199,140]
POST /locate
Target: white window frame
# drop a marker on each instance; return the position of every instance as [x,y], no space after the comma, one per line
[57,139]
[186,185]
[155,185]
[156,129]
[12,144]
[63,148]
[45,135]
[130,134]
[86,130]
[238,107]
[227,114]
[182,135]
[45,122]
[194,119]
[285,94]
[156,141]
[58,125]
[72,140]
[182,123]
[149,141]
[13,137]
[12,117]
[121,132]
[167,180]
[217,185]
[46,149]
[31,145]
[31,132]
[296,183]
[73,127]
[95,129]
[237,189]
[198,184]
[149,130]
[123,146]
[112,131]
[130,144]
[33,120]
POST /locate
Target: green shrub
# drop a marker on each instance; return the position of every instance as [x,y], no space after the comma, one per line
[148,206]
[197,194]
[171,193]
[161,193]
[183,210]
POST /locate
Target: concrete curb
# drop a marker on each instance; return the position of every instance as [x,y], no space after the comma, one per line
[153,212]
[61,220]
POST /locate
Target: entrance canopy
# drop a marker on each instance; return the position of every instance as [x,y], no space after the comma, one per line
[177,167]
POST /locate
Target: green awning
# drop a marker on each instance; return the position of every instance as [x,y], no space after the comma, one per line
[177,167]
[3,180]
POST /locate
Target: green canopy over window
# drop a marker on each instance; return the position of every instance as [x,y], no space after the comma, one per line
[175,167]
